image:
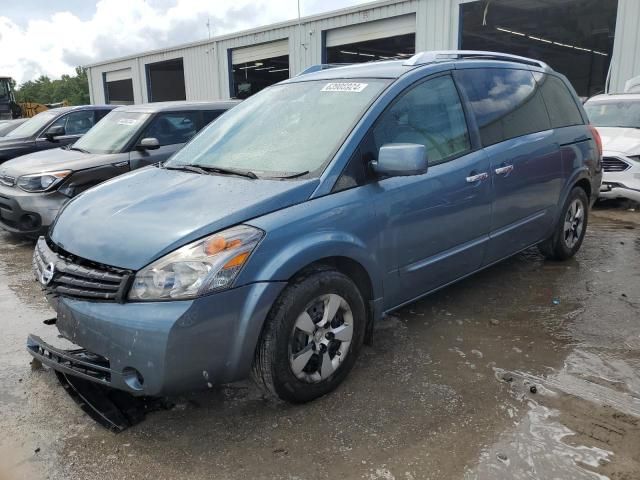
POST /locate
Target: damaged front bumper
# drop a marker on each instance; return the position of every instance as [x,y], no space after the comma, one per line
[159,348]
[85,378]
[127,355]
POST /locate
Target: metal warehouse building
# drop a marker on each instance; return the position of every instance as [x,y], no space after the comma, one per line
[593,42]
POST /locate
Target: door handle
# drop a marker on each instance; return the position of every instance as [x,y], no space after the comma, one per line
[477,177]
[506,170]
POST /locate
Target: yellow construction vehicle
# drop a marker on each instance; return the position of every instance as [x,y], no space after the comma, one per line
[29,109]
[9,108]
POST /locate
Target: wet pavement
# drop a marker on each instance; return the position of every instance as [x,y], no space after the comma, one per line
[528,370]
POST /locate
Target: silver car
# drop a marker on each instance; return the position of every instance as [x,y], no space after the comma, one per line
[33,188]
[617,118]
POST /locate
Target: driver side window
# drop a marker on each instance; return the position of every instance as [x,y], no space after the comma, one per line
[172,128]
[429,114]
[75,123]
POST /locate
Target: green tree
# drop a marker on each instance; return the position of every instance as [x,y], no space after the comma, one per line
[72,88]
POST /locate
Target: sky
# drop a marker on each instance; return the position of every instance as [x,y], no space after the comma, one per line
[52,37]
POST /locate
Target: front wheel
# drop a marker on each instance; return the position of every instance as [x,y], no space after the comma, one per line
[312,337]
[571,228]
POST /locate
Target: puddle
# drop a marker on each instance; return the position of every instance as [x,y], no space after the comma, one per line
[575,420]
[539,448]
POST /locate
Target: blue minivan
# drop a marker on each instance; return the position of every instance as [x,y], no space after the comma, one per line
[271,243]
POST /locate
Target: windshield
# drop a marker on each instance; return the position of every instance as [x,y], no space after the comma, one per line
[112,133]
[614,113]
[33,125]
[285,129]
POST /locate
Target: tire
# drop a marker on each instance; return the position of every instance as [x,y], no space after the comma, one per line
[571,228]
[283,366]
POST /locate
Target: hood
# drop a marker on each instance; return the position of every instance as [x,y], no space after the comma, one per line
[55,159]
[12,142]
[620,139]
[138,217]
[11,146]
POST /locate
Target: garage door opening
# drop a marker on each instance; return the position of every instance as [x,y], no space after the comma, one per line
[575,37]
[165,81]
[386,39]
[251,77]
[118,87]
[401,46]
[256,67]
[119,92]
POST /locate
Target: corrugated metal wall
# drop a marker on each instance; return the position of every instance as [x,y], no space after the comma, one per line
[206,64]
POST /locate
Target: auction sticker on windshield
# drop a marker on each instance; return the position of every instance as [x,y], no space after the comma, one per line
[127,121]
[344,87]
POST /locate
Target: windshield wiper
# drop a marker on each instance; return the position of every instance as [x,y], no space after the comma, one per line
[228,171]
[185,168]
[293,175]
[206,170]
[78,149]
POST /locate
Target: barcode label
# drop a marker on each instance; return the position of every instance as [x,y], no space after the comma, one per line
[344,87]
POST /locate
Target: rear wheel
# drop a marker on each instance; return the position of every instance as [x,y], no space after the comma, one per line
[571,228]
[312,337]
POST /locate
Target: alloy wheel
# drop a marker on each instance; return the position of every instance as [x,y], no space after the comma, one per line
[573,223]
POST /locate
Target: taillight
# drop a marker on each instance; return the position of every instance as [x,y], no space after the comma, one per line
[596,137]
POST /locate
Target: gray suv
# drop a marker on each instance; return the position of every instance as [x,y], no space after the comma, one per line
[34,187]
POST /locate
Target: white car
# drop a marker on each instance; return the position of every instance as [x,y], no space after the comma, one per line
[617,118]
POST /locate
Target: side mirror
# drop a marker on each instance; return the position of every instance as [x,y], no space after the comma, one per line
[401,160]
[53,132]
[148,144]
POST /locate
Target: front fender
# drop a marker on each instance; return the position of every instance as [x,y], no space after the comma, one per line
[337,225]
[279,258]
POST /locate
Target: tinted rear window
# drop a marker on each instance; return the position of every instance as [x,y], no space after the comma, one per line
[507,103]
[561,106]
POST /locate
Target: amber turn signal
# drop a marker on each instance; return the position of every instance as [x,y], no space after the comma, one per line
[237,261]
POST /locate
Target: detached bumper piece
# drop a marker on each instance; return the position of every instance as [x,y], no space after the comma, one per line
[86,377]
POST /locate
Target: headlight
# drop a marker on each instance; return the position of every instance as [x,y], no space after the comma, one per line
[204,266]
[41,182]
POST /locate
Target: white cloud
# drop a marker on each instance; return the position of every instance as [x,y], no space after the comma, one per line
[120,27]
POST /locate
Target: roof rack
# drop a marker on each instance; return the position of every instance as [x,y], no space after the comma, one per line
[423,58]
[322,66]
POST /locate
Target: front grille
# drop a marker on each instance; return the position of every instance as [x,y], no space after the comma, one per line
[65,275]
[7,180]
[614,164]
